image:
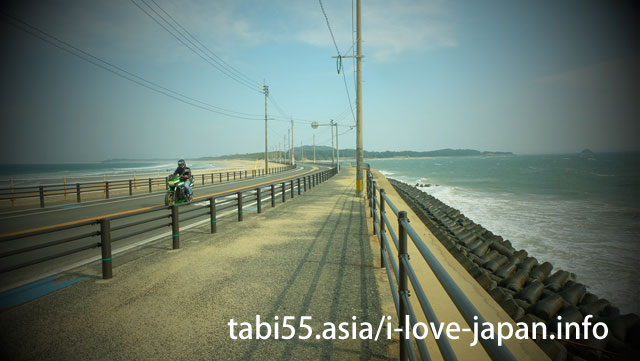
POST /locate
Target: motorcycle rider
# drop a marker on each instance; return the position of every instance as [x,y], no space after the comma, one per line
[185,174]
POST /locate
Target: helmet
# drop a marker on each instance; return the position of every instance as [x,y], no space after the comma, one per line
[182,163]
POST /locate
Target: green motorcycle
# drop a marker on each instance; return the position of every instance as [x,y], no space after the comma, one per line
[177,192]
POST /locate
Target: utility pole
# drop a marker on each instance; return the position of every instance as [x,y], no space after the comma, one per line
[358,101]
[285,140]
[293,147]
[359,56]
[332,158]
[337,147]
[266,153]
[314,149]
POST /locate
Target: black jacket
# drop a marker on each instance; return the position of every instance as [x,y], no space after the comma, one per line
[183,172]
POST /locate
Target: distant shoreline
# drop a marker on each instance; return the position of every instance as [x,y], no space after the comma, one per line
[249,157]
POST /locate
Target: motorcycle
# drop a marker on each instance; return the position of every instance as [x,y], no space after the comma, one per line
[177,193]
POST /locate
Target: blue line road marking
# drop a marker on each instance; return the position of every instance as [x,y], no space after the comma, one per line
[34,290]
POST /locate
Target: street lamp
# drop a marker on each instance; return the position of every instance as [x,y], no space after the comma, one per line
[331,124]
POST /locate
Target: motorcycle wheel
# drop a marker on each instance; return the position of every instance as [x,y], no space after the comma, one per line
[169,199]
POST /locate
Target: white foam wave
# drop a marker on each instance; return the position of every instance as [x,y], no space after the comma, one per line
[573,235]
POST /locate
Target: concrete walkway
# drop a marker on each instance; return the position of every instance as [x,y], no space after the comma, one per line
[310,256]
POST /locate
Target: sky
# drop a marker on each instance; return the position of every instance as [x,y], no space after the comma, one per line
[527,77]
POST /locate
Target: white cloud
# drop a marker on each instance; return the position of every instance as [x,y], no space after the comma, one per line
[390,28]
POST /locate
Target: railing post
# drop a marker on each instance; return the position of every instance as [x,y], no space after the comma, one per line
[382,213]
[259,200]
[227,176]
[212,211]
[202,179]
[220,174]
[292,190]
[299,190]
[175,227]
[304,183]
[211,178]
[166,183]
[373,207]
[41,191]
[130,187]
[239,206]
[78,192]
[245,174]
[284,193]
[273,195]
[105,245]
[368,187]
[369,195]
[106,189]
[150,186]
[403,286]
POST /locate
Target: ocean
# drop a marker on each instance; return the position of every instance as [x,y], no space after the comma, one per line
[35,174]
[579,212]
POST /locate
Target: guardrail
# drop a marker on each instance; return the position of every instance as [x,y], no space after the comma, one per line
[108,186]
[401,272]
[154,218]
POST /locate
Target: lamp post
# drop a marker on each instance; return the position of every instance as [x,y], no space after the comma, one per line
[331,124]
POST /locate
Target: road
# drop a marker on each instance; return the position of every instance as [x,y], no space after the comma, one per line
[38,219]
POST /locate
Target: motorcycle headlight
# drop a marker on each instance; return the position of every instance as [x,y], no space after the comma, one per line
[171,183]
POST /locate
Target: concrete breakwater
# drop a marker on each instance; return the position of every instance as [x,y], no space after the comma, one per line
[529,291]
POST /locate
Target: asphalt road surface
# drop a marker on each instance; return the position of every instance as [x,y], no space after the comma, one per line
[120,210]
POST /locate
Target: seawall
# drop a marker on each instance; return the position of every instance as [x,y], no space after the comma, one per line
[528,290]
[443,306]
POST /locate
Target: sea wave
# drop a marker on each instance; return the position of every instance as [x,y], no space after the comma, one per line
[571,234]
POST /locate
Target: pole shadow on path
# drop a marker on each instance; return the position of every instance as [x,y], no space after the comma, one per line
[337,230]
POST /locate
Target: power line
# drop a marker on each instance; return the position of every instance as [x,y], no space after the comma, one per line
[329,26]
[344,77]
[193,46]
[344,114]
[116,70]
[339,55]
[209,50]
[347,131]
[285,117]
[278,108]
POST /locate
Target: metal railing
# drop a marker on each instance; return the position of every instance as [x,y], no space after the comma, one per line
[107,187]
[154,218]
[402,271]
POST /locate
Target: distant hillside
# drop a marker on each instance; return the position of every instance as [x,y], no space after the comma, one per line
[324,153]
